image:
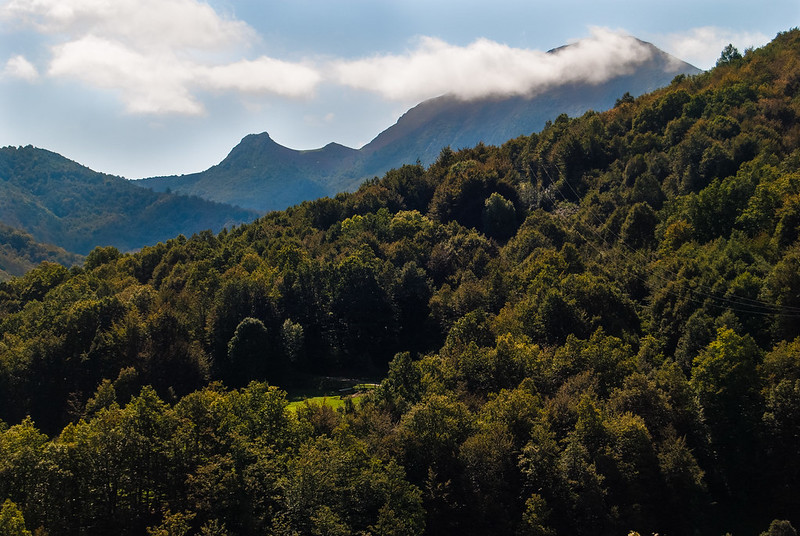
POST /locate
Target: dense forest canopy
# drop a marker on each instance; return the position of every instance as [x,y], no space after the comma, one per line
[590,330]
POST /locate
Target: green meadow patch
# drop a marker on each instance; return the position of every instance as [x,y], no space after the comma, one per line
[329,391]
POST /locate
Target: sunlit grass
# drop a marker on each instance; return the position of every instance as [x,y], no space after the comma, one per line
[330,392]
[333,401]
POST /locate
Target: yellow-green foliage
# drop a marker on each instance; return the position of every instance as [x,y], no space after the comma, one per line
[590,330]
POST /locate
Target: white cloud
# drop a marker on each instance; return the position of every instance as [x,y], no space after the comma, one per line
[486,67]
[702,46]
[19,67]
[261,75]
[144,23]
[148,84]
[157,53]
[160,55]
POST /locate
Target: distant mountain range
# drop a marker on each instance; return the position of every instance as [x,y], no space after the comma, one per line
[262,175]
[58,201]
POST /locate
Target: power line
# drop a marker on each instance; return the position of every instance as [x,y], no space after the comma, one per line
[741,304]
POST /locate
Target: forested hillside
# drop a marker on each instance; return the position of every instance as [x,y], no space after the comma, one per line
[590,330]
[61,202]
[19,252]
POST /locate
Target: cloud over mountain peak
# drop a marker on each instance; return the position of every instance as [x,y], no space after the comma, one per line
[484,68]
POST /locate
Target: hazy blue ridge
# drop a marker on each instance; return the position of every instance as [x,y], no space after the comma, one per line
[58,201]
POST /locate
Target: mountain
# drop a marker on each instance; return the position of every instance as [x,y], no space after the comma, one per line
[60,202]
[262,175]
[450,121]
[19,253]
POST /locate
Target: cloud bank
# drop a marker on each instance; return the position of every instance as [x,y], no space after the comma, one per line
[486,68]
[160,56]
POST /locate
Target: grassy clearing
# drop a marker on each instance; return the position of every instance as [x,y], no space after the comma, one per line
[330,391]
[333,401]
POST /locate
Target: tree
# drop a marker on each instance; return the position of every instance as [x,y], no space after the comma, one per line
[729,55]
[780,527]
[781,373]
[248,357]
[431,433]
[401,387]
[783,286]
[584,507]
[12,523]
[177,524]
[499,217]
[639,225]
[21,451]
[363,310]
[293,340]
[241,295]
[626,98]
[722,378]
[411,294]
[684,481]
[490,480]
[558,318]
[101,255]
[214,528]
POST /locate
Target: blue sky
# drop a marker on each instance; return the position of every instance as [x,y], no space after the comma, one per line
[154,87]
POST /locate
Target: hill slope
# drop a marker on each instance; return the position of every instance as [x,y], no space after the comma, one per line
[263,175]
[61,202]
[19,253]
[591,330]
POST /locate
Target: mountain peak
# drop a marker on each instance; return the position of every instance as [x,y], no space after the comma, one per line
[658,57]
[262,139]
[334,145]
[252,150]
[261,135]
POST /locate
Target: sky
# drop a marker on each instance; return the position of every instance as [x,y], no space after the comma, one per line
[142,88]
